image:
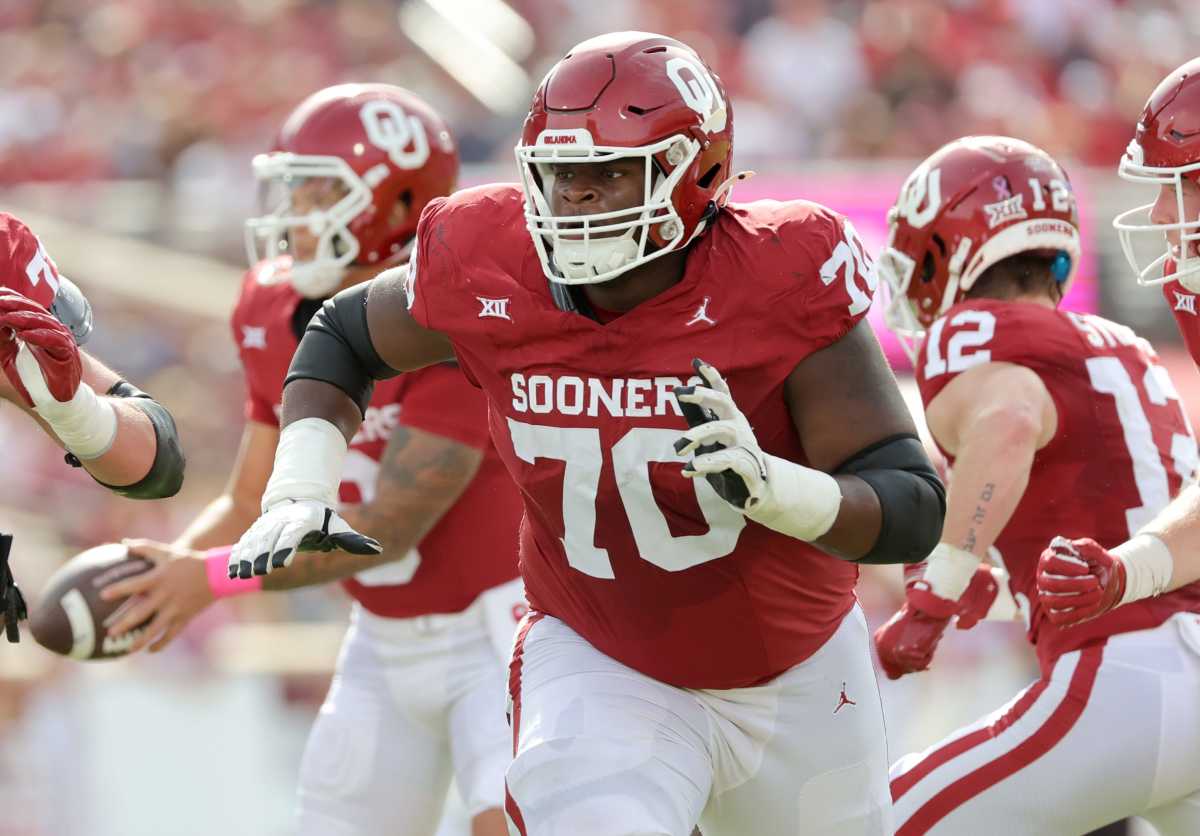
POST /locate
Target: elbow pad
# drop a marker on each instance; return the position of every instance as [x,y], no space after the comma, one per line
[912,499]
[337,348]
[165,476]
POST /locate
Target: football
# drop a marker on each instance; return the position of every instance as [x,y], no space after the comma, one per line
[69,616]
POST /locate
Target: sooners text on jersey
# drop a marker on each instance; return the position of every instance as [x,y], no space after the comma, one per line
[1122,448]
[474,546]
[653,569]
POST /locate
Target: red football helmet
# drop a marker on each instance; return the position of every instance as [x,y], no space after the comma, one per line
[626,95]
[381,144]
[975,201]
[1165,151]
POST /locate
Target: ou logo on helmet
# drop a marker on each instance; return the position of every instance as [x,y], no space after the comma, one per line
[392,130]
[924,186]
[699,92]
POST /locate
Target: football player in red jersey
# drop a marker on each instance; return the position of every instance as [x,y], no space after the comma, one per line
[1081,580]
[1053,422]
[694,651]
[419,690]
[120,435]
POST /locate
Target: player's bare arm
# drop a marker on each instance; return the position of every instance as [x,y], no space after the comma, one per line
[992,418]
[871,493]
[1178,526]
[844,400]
[369,321]
[142,458]
[421,476]
[225,518]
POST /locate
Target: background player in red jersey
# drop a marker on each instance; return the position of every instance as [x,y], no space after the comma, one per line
[1081,580]
[122,437]
[694,652]
[419,690]
[1053,422]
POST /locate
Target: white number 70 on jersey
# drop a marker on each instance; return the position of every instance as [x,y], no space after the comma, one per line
[579,448]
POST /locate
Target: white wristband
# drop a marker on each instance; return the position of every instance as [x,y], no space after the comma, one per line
[948,571]
[86,424]
[802,502]
[308,463]
[1148,566]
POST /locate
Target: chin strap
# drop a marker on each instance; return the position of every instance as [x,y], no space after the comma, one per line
[726,187]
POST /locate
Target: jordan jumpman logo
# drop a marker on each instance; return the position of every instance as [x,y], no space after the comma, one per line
[843,701]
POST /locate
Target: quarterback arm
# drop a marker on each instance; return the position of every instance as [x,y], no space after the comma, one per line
[420,478]
[143,460]
[854,424]
[225,518]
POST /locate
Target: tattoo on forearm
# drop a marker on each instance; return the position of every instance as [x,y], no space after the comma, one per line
[978,517]
[421,475]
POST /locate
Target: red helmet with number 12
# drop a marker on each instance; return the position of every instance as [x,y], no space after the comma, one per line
[972,203]
[618,96]
[379,144]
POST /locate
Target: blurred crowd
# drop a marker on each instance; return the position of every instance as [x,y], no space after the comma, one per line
[143,89]
[182,94]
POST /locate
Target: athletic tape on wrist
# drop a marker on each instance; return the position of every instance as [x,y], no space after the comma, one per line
[948,571]
[804,502]
[216,565]
[308,464]
[86,424]
[1148,566]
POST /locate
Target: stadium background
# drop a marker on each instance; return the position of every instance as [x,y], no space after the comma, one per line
[126,130]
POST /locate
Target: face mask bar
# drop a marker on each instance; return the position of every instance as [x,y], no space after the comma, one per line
[601,246]
[1137,221]
[897,270]
[267,235]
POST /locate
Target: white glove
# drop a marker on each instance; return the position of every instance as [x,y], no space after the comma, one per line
[298,504]
[782,495]
[292,526]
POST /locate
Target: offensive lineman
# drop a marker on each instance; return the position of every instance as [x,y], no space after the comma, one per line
[694,652]
[1053,421]
[418,694]
[122,437]
[1081,580]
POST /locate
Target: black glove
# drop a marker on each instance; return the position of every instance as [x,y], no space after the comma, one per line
[12,603]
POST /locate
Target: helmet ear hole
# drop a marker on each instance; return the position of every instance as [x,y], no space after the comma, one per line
[928,267]
[709,176]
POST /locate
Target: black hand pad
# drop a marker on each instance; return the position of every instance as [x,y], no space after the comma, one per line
[728,485]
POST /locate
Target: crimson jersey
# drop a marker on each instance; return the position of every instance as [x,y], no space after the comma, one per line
[474,546]
[653,569]
[1122,448]
[1187,316]
[26,268]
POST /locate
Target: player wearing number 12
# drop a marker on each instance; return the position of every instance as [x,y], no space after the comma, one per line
[695,651]
[1055,422]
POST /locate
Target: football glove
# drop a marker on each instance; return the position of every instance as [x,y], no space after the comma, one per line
[1078,580]
[292,526]
[784,496]
[38,353]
